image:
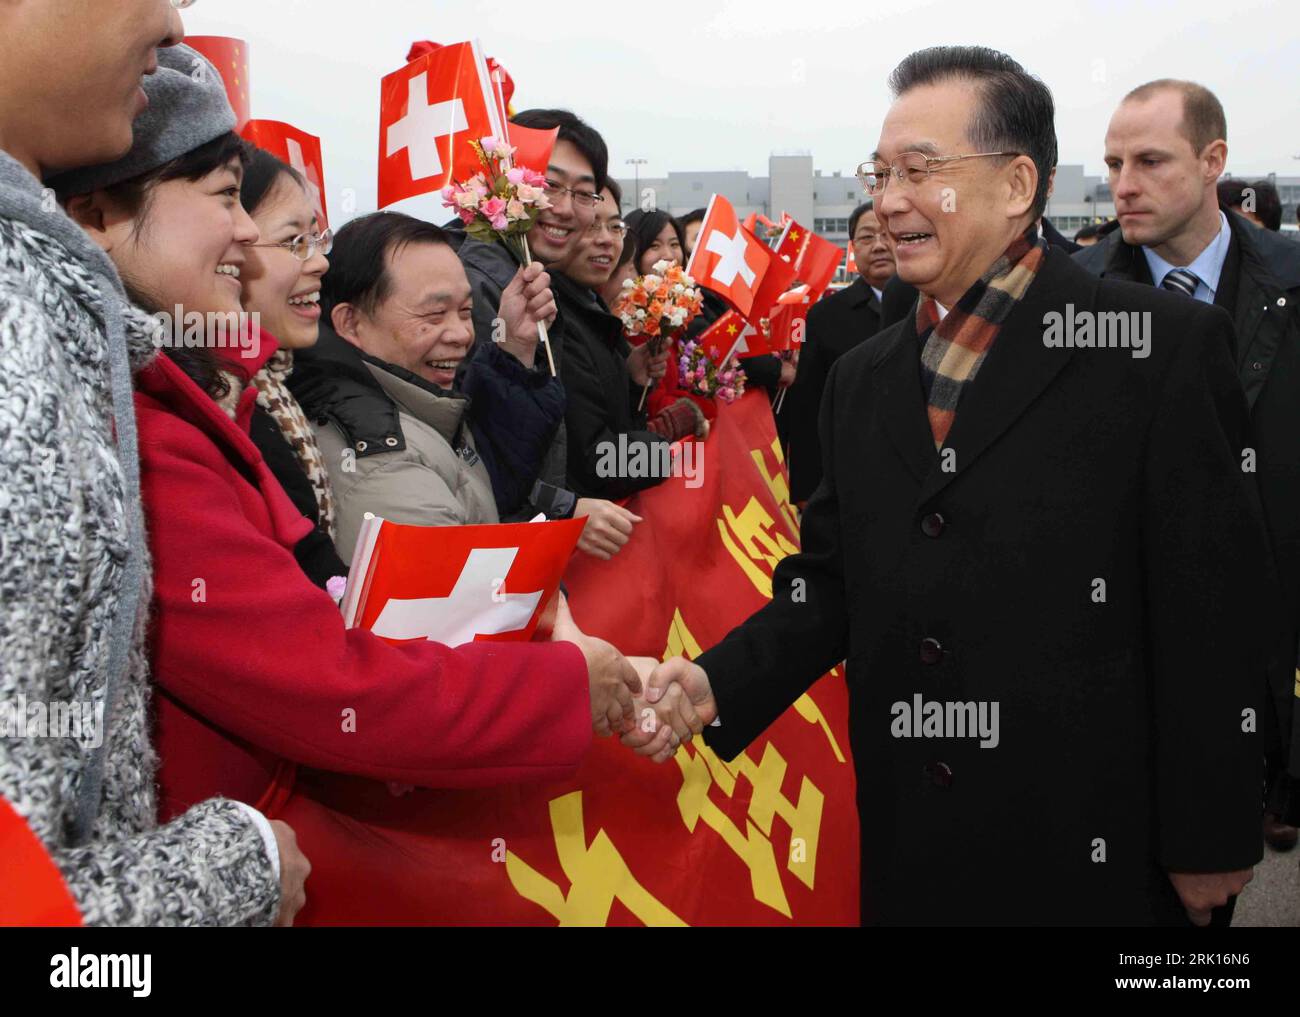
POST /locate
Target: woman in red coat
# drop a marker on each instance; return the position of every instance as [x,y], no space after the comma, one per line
[257,675]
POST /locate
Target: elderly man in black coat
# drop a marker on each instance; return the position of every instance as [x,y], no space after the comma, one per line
[836,324]
[1044,578]
[1170,224]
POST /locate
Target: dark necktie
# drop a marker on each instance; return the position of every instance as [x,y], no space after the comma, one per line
[1181,281]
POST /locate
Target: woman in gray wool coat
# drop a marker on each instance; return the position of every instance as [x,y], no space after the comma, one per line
[74,569]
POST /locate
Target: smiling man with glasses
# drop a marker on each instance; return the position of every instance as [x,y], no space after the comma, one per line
[1059,533]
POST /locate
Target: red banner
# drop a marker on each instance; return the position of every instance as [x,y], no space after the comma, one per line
[769,839]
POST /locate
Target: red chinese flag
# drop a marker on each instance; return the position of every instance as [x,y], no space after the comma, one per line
[851,263]
[429,111]
[817,264]
[732,335]
[727,258]
[297,148]
[791,242]
[32,891]
[457,584]
[533,146]
[230,57]
[789,319]
[779,278]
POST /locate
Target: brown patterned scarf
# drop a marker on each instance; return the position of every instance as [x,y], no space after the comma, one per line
[274,397]
[953,349]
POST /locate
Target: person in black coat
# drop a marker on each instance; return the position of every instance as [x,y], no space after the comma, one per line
[836,324]
[1077,569]
[1254,275]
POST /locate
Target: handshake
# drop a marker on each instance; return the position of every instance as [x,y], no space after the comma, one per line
[654,707]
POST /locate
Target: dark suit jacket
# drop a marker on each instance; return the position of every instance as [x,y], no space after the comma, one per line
[1055,238]
[1091,563]
[1260,288]
[835,325]
[600,397]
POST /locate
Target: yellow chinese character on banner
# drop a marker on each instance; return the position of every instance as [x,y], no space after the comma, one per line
[754,541]
[702,769]
[597,875]
[777,484]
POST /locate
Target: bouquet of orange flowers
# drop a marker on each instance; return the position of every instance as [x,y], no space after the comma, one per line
[658,306]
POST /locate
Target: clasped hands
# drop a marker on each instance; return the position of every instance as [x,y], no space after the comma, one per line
[654,707]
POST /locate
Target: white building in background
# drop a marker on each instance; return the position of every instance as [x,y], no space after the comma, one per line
[825,201]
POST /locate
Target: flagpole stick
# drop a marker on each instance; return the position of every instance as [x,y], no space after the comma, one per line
[542,332]
[541,325]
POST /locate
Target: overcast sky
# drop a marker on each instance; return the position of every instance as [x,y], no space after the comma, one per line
[722,84]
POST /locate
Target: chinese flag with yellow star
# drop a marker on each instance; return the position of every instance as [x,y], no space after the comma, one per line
[230,58]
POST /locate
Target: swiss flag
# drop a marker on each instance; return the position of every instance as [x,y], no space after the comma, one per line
[727,258]
[457,584]
[230,58]
[429,111]
[297,148]
[32,891]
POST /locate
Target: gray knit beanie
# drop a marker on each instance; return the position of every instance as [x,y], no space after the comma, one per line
[187,108]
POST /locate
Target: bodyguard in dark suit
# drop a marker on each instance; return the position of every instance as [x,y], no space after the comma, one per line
[835,325]
[1039,557]
[1171,225]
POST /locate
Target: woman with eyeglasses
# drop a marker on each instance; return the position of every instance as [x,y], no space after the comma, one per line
[281,279]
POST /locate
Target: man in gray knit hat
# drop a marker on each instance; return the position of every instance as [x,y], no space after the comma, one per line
[74,569]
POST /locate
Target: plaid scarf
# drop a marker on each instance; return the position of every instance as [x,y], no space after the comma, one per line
[274,397]
[953,349]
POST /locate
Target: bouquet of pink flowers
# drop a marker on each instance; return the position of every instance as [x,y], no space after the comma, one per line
[501,202]
[698,373]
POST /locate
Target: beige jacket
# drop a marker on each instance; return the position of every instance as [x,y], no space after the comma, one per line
[432,476]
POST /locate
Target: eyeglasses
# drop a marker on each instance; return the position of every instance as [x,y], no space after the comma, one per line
[587,199]
[910,167]
[305,245]
[618,230]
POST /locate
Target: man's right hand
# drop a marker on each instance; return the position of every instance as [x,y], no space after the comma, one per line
[294,870]
[525,302]
[608,528]
[682,688]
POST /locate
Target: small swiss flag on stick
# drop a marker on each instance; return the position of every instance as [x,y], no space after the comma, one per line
[728,259]
[297,148]
[429,111]
[457,584]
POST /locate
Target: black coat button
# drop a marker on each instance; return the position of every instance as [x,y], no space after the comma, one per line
[931,651]
[938,774]
[933,524]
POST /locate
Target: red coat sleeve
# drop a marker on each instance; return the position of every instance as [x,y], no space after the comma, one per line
[261,652]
